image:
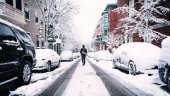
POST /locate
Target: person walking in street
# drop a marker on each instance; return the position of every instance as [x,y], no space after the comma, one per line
[83,53]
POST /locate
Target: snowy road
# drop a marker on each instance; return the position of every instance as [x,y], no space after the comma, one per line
[85,82]
[90,80]
[60,83]
[42,82]
[112,85]
[93,79]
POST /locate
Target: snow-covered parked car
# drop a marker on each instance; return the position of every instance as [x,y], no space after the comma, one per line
[164,62]
[136,57]
[66,56]
[76,55]
[46,59]
[103,55]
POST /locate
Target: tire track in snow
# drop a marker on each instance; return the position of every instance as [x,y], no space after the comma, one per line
[113,86]
[58,87]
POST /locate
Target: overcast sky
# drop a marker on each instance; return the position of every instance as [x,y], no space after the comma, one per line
[89,14]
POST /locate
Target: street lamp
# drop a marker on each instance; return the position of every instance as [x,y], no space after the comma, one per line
[40,31]
[40,39]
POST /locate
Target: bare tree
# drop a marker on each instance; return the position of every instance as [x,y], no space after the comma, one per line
[56,13]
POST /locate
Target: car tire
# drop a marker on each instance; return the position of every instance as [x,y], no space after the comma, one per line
[25,73]
[114,64]
[48,66]
[161,74]
[132,68]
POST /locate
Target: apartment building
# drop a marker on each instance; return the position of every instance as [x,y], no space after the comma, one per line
[26,14]
[34,24]
[98,36]
[107,23]
[13,11]
[163,28]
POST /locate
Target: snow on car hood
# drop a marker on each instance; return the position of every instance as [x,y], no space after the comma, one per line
[144,55]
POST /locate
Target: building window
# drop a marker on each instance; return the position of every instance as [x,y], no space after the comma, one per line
[50,46]
[36,17]
[42,22]
[19,4]
[10,2]
[27,11]
[105,32]
[36,20]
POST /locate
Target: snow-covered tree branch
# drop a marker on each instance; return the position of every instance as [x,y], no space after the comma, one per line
[138,21]
[56,13]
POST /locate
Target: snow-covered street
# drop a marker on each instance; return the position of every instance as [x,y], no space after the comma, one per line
[41,81]
[84,47]
[139,84]
[85,82]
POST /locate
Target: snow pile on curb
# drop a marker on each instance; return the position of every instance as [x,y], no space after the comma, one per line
[41,82]
[138,83]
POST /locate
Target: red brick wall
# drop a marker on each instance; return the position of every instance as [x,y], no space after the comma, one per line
[113,20]
[165,31]
[121,3]
[136,38]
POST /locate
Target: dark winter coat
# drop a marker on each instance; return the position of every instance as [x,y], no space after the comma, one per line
[83,52]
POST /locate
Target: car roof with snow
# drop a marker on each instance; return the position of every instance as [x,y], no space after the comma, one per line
[40,53]
[11,25]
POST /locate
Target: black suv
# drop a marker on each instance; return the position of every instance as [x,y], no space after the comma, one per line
[17,54]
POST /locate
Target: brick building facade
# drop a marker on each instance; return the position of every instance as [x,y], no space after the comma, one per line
[24,15]
[116,37]
[162,28]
